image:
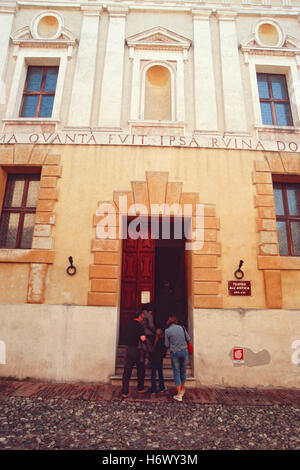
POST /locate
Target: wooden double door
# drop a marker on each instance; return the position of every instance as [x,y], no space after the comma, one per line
[138,273]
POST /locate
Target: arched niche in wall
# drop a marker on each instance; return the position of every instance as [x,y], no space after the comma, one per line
[158,57]
[158,93]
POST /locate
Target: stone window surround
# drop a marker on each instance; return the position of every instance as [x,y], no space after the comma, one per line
[41,254]
[285,65]
[171,50]
[268,258]
[167,59]
[29,50]
[202,266]
[35,57]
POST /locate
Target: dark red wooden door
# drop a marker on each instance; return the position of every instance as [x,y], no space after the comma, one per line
[138,268]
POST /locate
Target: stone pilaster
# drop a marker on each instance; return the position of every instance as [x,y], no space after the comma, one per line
[233,95]
[204,80]
[83,85]
[7,13]
[112,82]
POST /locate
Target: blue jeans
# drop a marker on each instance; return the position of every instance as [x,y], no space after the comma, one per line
[179,363]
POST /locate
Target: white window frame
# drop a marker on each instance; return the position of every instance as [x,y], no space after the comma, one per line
[284,65]
[36,57]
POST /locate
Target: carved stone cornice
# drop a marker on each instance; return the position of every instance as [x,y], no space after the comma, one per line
[271,51]
[201,15]
[91,10]
[23,38]
[117,11]
[9,8]
[226,15]
[290,48]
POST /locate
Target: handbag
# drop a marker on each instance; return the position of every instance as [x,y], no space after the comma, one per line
[189,344]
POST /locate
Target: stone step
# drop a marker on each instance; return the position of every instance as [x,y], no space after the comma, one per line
[166,361]
[167,368]
[122,350]
[167,358]
[168,380]
[167,364]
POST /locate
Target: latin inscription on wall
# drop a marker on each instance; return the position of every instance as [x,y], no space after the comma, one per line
[193,141]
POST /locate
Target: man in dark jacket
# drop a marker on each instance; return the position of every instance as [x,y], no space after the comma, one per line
[148,322]
[134,333]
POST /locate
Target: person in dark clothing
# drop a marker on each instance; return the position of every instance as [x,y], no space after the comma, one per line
[156,361]
[148,322]
[134,333]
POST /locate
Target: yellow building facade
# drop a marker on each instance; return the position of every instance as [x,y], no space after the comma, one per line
[146,111]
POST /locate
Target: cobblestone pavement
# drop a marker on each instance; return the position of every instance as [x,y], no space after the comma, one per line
[36,420]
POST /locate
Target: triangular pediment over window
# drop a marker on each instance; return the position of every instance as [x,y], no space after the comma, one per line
[24,37]
[158,38]
[290,46]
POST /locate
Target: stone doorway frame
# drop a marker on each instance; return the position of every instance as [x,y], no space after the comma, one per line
[204,277]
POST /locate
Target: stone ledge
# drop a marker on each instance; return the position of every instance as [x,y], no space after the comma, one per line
[26,256]
[279,262]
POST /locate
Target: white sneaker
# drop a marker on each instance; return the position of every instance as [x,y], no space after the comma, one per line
[177,397]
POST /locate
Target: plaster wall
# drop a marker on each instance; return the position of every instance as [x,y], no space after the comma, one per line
[77,344]
[14,281]
[267,337]
[290,289]
[58,342]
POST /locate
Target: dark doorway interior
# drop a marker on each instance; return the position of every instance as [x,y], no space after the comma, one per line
[146,263]
[170,266]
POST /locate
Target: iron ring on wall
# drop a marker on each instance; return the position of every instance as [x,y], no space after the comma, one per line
[71,270]
[238,274]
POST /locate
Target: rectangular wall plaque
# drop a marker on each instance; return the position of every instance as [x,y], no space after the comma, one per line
[239,287]
[145,296]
